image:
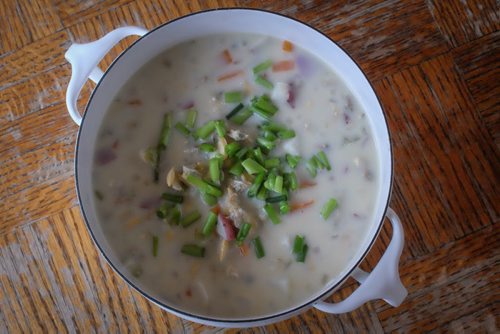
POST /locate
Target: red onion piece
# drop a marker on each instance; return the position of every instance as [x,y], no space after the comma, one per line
[225,228]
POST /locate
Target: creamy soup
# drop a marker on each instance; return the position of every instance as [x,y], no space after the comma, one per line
[235,176]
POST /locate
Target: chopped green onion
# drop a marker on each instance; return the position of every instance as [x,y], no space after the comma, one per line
[262,113]
[278,184]
[264,103]
[191,118]
[253,167]
[214,169]
[257,183]
[312,166]
[328,208]
[242,116]
[293,183]
[286,134]
[241,153]
[235,110]
[165,131]
[243,232]
[274,127]
[182,128]
[292,160]
[272,162]
[205,130]
[269,183]
[300,248]
[208,199]
[237,169]
[262,66]
[174,216]
[233,97]
[269,135]
[210,224]
[267,144]
[284,207]
[277,199]
[220,127]
[272,214]
[174,198]
[232,148]
[262,194]
[206,147]
[203,186]
[193,250]
[190,218]
[258,155]
[260,80]
[163,210]
[259,250]
[155,245]
[300,257]
[324,160]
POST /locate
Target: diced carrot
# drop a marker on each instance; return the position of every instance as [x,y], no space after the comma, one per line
[230,75]
[216,209]
[301,205]
[306,184]
[227,56]
[135,102]
[287,46]
[244,250]
[133,222]
[284,65]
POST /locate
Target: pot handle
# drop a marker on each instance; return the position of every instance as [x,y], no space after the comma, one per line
[84,59]
[382,283]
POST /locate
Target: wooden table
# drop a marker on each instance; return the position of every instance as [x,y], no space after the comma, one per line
[435,66]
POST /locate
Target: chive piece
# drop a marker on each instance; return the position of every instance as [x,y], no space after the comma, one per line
[232,148]
[278,184]
[243,232]
[272,162]
[174,216]
[328,208]
[277,199]
[324,160]
[235,110]
[193,250]
[208,199]
[286,134]
[284,207]
[190,218]
[262,66]
[262,113]
[269,183]
[300,248]
[163,210]
[274,127]
[98,195]
[259,250]
[174,198]
[258,155]
[269,135]
[262,194]
[214,169]
[267,144]
[205,130]
[241,153]
[264,103]
[293,184]
[206,147]
[272,214]
[155,245]
[312,167]
[182,128]
[253,167]
[192,114]
[233,97]
[260,80]
[257,183]
[165,131]
[292,160]
[302,255]
[210,224]
[242,116]
[220,127]
[237,169]
[203,186]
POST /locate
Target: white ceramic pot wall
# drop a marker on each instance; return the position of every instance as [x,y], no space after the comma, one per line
[382,283]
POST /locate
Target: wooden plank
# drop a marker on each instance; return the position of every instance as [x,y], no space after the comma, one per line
[12,25]
[71,12]
[437,138]
[456,282]
[464,21]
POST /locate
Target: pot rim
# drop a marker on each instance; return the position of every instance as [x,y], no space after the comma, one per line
[255,319]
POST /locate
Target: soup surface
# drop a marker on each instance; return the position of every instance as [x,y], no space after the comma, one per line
[257,217]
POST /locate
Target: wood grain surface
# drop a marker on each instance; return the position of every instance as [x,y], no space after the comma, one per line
[435,66]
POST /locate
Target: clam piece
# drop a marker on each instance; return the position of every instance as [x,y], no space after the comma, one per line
[173,179]
[221,146]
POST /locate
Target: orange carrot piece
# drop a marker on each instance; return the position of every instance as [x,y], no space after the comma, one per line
[216,209]
[244,250]
[306,184]
[300,206]
[230,75]
[287,46]
[227,56]
[284,65]
[135,102]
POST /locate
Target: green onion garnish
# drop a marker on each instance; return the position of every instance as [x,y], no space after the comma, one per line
[328,208]
[162,144]
[272,162]
[210,224]
[262,113]
[264,103]
[286,134]
[269,183]
[272,214]
[293,183]
[267,144]
[284,207]
[206,147]
[242,116]
[190,218]
[253,167]
[174,216]
[163,210]
[193,250]
[233,97]
[324,160]
[243,232]
[269,135]
[292,160]
[208,199]
[262,194]
[235,110]
[174,198]
[205,130]
[214,169]
[191,118]
[271,126]
[312,166]
[220,127]
[182,128]
[232,148]
[259,250]
[276,199]
[262,66]
[260,80]
[236,169]
[155,245]
[241,153]
[300,248]
[203,186]
[278,184]
[258,155]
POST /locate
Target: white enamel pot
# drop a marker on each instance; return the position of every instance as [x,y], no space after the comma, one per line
[382,283]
